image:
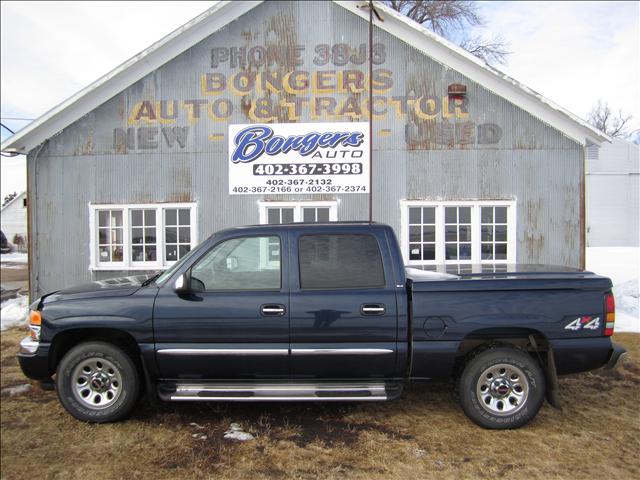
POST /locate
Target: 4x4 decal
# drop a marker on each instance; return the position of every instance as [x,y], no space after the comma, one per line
[585,322]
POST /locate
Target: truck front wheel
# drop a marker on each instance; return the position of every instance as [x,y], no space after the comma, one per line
[501,388]
[97,382]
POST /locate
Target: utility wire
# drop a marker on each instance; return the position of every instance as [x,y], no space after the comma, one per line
[16,118]
[3,125]
[12,154]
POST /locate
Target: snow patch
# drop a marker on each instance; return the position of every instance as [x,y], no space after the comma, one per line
[419,452]
[620,264]
[14,312]
[627,300]
[235,433]
[628,297]
[17,390]
[15,257]
[626,323]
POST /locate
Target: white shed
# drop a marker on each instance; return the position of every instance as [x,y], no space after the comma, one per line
[612,195]
[13,218]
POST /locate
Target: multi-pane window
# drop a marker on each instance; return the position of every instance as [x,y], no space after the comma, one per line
[276,213]
[110,236]
[459,233]
[315,214]
[279,215]
[494,234]
[143,235]
[149,236]
[422,233]
[177,230]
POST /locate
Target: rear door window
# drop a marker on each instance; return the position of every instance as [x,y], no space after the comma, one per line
[340,261]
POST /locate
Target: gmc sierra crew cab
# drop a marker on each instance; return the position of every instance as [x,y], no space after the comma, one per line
[319,312]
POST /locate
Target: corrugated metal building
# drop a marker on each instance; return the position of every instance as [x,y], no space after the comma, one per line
[469,166]
[613,195]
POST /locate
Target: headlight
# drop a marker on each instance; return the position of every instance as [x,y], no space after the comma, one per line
[35,322]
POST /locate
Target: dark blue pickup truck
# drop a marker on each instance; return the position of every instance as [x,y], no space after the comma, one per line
[319,312]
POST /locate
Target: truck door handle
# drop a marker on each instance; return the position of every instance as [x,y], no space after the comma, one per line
[272,310]
[372,309]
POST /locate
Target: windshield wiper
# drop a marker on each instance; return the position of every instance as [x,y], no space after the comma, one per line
[150,279]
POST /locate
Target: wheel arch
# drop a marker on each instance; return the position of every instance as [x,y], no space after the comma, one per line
[530,340]
[64,341]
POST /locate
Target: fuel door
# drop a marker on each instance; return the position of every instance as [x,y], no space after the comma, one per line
[434,327]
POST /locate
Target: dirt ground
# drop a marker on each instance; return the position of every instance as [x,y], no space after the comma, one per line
[422,435]
[13,272]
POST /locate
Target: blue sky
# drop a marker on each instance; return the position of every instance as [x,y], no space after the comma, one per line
[574,53]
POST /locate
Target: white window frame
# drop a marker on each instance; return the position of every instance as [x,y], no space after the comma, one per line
[297,209]
[128,263]
[476,222]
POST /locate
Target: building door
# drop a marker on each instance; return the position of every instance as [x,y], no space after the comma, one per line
[234,324]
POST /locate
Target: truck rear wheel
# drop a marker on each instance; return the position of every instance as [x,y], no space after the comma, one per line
[97,382]
[502,388]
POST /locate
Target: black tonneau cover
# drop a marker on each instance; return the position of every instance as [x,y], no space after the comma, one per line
[503,277]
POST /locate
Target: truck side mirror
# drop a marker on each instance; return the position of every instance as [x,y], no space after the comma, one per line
[181,285]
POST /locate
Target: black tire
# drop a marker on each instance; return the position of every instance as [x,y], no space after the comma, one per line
[97,382]
[501,400]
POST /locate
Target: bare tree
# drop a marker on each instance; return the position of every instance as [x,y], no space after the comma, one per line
[452,19]
[614,125]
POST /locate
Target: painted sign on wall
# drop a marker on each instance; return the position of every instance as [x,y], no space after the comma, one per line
[318,83]
[299,158]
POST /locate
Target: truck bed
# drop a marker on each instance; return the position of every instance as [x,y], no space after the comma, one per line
[525,299]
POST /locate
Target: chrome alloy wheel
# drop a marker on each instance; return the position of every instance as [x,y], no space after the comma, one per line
[502,389]
[97,383]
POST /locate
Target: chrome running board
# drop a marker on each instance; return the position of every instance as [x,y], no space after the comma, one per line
[270,392]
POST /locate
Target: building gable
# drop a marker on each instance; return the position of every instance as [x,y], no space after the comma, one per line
[224,13]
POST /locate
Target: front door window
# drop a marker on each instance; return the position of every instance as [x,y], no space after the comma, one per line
[246,263]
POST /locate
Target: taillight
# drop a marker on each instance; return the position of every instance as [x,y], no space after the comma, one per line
[609,313]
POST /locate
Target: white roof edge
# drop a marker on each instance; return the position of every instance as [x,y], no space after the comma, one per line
[458,59]
[125,74]
[224,12]
[13,200]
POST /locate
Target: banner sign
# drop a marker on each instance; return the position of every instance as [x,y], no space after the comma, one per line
[299,158]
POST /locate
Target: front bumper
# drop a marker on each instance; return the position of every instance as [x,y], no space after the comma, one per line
[617,353]
[28,346]
[34,359]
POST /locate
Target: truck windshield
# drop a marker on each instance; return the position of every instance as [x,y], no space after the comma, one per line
[167,273]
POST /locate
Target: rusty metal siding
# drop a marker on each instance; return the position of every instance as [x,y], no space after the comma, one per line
[496,151]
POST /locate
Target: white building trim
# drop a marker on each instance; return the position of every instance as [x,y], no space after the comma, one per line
[297,209]
[128,263]
[476,257]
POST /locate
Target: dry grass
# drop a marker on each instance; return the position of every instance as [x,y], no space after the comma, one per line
[423,435]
